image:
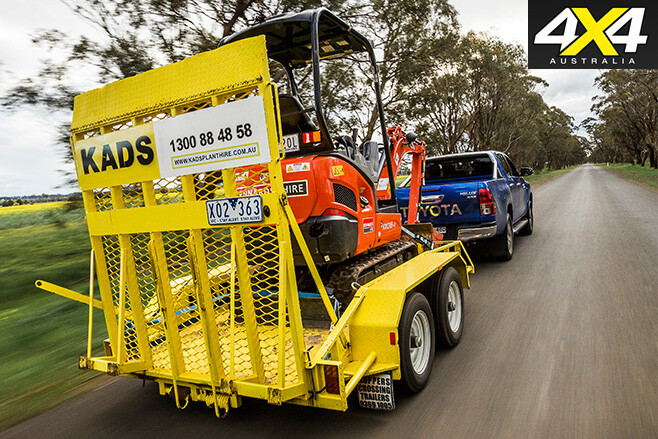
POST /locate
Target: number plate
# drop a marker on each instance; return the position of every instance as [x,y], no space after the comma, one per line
[235,210]
[376,392]
[441,230]
[291,143]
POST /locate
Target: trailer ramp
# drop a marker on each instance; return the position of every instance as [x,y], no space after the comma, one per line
[208,308]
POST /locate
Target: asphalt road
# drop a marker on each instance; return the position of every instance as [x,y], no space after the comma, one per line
[560,342]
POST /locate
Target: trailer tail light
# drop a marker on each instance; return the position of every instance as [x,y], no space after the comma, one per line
[334,212]
[487,203]
[312,137]
[331,379]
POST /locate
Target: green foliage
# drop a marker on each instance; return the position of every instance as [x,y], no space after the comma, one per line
[558,145]
[626,127]
[408,37]
[136,36]
[481,97]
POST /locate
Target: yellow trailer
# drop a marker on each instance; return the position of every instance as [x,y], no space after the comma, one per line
[206,303]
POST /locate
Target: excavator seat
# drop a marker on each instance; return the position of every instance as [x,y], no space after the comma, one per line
[294,119]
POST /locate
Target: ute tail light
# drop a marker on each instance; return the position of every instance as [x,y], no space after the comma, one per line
[334,212]
[312,137]
[331,379]
[487,203]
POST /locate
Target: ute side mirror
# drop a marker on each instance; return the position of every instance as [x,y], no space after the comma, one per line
[411,137]
[526,171]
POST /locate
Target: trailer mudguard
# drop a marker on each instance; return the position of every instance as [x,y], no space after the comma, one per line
[374,325]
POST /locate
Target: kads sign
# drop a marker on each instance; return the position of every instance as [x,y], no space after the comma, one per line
[603,34]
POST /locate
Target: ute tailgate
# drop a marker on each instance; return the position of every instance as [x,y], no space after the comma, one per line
[446,204]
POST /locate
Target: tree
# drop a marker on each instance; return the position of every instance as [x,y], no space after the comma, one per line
[408,37]
[603,145]
[482,97]
[503,94]
[628,111]
[441,108]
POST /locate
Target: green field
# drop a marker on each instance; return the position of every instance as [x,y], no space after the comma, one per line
[643,175]
[42,335]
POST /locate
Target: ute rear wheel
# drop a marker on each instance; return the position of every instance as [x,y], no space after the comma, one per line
[504,244]
[527,229]
[448,308]
[416,332]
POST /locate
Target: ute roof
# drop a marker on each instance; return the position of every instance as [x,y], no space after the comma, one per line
[488,153]
[289,36]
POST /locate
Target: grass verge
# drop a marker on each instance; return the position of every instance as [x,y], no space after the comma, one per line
[643,175]
[541,177]
[42,335]
[537,178]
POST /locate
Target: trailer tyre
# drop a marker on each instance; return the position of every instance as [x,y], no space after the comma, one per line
[448,308]
[416,332]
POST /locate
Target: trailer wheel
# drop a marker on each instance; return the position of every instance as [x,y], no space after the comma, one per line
[416,332]
[448,308]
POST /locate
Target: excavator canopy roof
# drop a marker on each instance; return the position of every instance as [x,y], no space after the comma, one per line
[289,36]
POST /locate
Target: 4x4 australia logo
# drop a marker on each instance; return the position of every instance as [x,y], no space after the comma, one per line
[601,35]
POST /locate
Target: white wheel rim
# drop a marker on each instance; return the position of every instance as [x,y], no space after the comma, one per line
[420,342]
[454,307]
[510,237]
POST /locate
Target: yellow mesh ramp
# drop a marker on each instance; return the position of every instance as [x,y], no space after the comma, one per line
[185,301]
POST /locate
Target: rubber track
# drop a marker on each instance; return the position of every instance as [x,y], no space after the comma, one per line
[382,259]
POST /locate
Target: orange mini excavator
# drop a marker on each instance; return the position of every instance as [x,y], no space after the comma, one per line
[341,190]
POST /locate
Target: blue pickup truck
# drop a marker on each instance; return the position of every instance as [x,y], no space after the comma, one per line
[475,196]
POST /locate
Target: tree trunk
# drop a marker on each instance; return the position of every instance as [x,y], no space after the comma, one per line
[240,8]
[372,125]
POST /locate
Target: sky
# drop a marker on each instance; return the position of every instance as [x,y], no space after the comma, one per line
[30,162]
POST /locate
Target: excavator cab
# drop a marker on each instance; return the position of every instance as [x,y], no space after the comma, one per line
[342,193]
[296,40]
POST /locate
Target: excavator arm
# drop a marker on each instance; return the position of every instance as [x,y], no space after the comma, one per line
[401,145]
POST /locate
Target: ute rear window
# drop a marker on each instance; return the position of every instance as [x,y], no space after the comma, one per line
[458,167]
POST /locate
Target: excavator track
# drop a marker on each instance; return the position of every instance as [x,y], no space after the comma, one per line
[368,266]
